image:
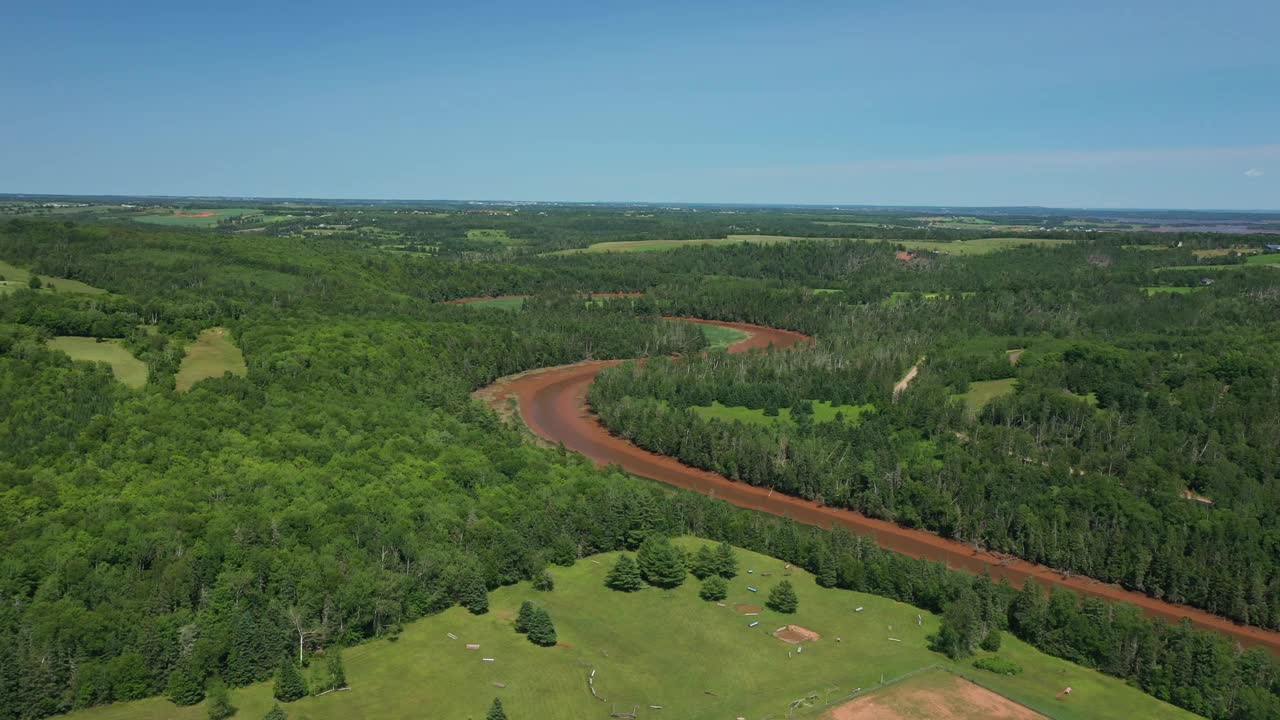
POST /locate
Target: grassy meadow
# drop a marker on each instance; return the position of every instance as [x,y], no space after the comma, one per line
[981,246]
[194,217]
[128,369]
[210,356]
[658,647]
[16,278]
[982,392]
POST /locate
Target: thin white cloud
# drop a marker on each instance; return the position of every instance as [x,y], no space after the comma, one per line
[1027,161]
[1254,172]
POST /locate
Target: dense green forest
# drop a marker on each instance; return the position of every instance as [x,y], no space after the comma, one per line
[349,484]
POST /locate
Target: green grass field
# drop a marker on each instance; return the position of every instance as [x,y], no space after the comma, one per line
[658,647]
[982,392]
[1270,259]
[657,245]
[494,236]
[721,337]
[16,278]
[900,296]
[210,356]
[504,303]
[189,217]
[981,246]
[128,369]
[822,412]
[1166,290]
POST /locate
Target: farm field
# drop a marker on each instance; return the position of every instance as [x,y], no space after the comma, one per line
[1270,259]
[651,648]
[194,217]
[16,278]
[981,246]
[656,245]
[822,412]
[128,369]
[210,356]
[497,303]
[982,392]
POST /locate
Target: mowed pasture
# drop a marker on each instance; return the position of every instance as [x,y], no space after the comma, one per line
[698,660]
[659,245]
[16,278]
[194,217]
[128,369]
[212,355]
[981,246]
[1253,261]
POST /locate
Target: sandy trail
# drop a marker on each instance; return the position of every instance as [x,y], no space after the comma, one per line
[552,402]
[905,382]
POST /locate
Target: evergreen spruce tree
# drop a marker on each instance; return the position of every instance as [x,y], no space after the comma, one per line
[704,563]
[782,598]
[541,630]
[289,683]
[661,564]
[495,711]
[337,671]
[244,665]
[473,595]
[219,706]
[624,575]
[714,588]
[961,628]
[544,582]
[826,575]
[186,686]
[726,561]
[525,616]
[275,713]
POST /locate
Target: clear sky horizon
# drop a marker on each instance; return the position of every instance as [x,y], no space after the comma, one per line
[1089,104]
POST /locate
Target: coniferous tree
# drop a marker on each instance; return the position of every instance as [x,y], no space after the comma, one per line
[726,561]
[289,683]
[714,588]
[782,598]
[826,574]
[961,628]
[525,616]
[276,713]
[704,563]
[186,686]
[495,711]
[541,630]
[245,663]
[661,564]
[624,575]
[473,595]
[219,706]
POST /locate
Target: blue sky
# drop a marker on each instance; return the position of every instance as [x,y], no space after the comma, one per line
[1119,104]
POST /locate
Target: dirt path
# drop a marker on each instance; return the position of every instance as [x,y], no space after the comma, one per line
[905,382]
[552,402]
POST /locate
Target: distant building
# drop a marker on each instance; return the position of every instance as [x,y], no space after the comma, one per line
[905,255]
[1271,248]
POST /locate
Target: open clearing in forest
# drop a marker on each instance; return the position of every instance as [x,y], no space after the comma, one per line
[981,246]
[900,296]
[982,392]
[1167,290]
[935,695]
[210,356]
[656,647]
[823,411]
[655,245]
[499,236]
[1271,259]
[719,336]
[128,369]
[195,217]
[16,278]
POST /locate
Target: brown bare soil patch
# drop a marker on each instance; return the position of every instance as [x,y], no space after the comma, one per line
[795,634]
[1015,355]
[937,696]
[204,214]
[746,609]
